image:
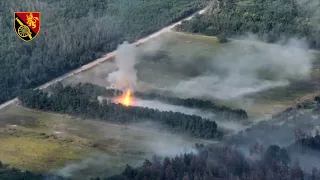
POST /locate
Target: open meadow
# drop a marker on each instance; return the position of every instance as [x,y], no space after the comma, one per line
[191,65]
[182,65]
[43,141]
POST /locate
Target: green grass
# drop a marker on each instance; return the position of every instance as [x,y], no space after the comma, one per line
[154,71]
[49,141]
[36,154]
[54,141]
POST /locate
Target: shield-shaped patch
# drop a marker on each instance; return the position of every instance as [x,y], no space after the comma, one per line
[27,25]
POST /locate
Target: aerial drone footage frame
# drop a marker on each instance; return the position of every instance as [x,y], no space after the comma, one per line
[162,90]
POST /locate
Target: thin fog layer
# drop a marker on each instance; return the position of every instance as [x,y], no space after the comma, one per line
[233,126]
[164,107]
[250,67]
[165,145]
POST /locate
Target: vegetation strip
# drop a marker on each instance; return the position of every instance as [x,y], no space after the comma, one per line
[222,111]
[271,20]
[77,101]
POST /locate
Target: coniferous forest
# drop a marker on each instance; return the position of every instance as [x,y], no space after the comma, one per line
[74,33]
[208,163]
[82,100]
[221,111]
[271,20]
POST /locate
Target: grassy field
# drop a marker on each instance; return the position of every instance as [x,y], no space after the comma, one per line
[175,57]
[41,141]
[152,67]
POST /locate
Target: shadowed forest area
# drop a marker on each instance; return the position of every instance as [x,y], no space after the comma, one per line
[74,33]
[208,163]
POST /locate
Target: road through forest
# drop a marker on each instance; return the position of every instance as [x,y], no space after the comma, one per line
[106,57]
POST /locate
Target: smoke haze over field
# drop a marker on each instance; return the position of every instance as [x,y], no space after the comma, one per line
[160,144]
[227,125]
[250,67]
[165,107]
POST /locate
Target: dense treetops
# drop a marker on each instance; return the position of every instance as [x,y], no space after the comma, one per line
[81,100]
[272,20]
[221,163]
[7,173]
[310,142]
[74,33]
[222,111]
[218,163]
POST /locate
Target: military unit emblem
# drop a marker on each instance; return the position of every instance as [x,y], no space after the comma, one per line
[27,25]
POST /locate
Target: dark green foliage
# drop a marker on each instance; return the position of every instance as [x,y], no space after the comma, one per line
[275,153]
[117,177]
[316,110]
[222,111]
[271,20]
[16,174]
[75,100]
[87,89]
[310,142]
[214,163]
[317,99]
[74,33]
[211,162]
[222,38]
[92,91]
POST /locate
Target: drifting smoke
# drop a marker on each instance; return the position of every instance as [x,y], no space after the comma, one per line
[99,165]
[249,67]
[126,75]
[313,7]
[226,125]
[107,165]
[170,148]
[166,107]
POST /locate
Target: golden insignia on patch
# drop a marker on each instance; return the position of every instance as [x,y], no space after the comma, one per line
[27,25]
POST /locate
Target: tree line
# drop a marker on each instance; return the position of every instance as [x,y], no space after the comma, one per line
[312,142]
[7,173]
[221,111]
[75,100]
[271,20]
[212,162]
[75,33]
[218,163]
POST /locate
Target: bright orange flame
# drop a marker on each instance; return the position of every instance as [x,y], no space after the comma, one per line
[126,98]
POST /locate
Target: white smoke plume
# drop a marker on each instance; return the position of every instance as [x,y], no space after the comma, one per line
[250,67]
[126,75]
